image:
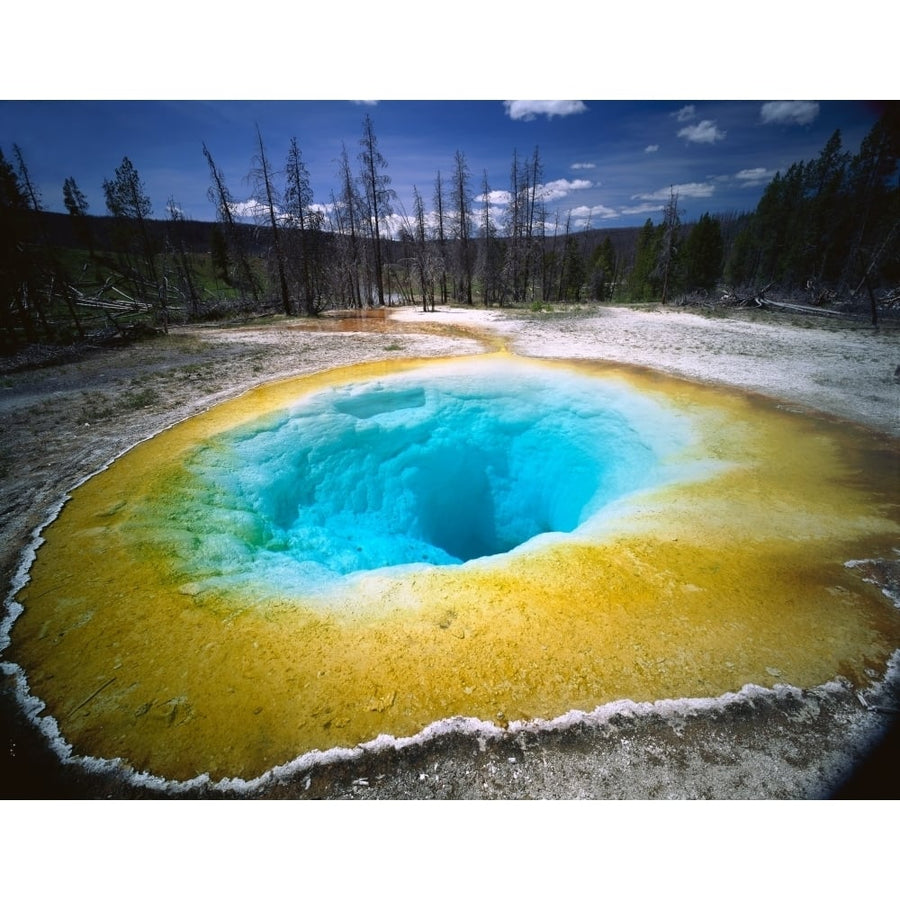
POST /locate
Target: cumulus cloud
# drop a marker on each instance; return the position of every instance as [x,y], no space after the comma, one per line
[552,190]
[705,132]
[686,113]
[526,110]
[789,112]
[692,189]
[755,177]
[584,215]
[562,187]
[651,148]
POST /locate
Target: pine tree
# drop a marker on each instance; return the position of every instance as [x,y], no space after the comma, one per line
[46,259]
[703,251]
[643,281]
[826,217]
[779,227]
[603,271]
[77,206]
[129,204]
[573,277]
[75,202]
[304,224]
[874,243]
[218,253]
[18,272]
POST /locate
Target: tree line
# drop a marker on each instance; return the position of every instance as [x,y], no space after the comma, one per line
[826,230]
[827,227]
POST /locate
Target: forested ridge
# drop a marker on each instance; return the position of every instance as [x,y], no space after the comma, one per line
[824,233]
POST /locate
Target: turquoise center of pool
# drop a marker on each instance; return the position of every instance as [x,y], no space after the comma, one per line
[437,467]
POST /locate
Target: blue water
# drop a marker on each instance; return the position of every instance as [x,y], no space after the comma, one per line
[438,466]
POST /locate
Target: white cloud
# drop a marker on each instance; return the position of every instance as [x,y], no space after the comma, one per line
[365,102]
[686,113]
[526,110]
[651,148]
[641,209]
[789,112]
[584,165]
[583,215]
[755,177]
[562,187]
[692,189]
[705,132]
[552,190]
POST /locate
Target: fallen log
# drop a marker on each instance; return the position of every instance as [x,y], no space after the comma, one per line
[806,310]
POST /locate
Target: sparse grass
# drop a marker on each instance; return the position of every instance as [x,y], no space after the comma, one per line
[138,399]
[550,311]
[96,407]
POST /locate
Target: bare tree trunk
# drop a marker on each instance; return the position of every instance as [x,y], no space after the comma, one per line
[221,199]
[441,234]
[461,196]
[872,263]
[669,244]
[56,268]
[351,203]
[265,175]
[377,197]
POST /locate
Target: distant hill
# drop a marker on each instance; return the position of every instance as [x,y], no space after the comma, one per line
[196,237]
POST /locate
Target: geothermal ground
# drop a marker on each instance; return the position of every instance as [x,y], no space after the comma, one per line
[66,421]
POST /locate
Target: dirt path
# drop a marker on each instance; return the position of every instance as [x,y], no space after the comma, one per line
[62,424]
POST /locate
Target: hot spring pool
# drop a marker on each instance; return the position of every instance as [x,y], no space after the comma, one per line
[421,468]
[365,552]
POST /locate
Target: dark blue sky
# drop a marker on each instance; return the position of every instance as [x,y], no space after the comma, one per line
[607,163]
